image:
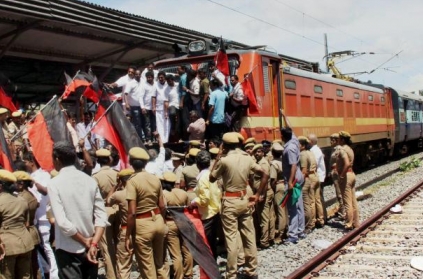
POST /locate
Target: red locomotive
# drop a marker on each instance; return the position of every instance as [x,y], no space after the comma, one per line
[380,119]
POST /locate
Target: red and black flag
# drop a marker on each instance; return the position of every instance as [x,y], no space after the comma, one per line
[48,127]
[81,80]
[6,101]
[5,157]
[192,231]
[221,59]
[93,91]
[249,92]
[116,128]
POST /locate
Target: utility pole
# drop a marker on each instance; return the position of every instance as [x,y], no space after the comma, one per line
[326,52]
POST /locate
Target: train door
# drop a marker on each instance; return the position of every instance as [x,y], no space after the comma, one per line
[420,115]
[270,79]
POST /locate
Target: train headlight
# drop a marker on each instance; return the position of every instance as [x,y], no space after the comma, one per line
[197,47]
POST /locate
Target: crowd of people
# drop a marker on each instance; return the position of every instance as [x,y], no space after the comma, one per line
[191,105]
[250,195]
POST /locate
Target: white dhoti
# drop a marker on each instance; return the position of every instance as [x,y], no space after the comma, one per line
[162,125]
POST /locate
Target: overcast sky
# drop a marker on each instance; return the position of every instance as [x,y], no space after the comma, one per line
[296,28]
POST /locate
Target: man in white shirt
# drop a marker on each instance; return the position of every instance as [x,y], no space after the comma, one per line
[321,173]
[123,81]
[156,164]
[237,103]
[83,128]
[161,108]
[149,68]
[41,179]
[173,98]
[80,215]
[132,101]
[148,118]
[194,91]
[216,74]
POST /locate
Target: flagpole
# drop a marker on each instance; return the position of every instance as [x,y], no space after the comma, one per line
[32,119]
[98,120]
[248,75]
[66,88]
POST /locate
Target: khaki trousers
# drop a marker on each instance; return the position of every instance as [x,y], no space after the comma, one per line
[179,253]
[149,247]
[317,210]
[236,217]
[123,257]
[107,245]
[335,179]
[281,212]
[16,266]
[347,185]
[309,203]
[266,214]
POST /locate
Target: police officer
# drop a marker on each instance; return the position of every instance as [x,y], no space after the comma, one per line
[13,231]
[344,167]
[24,181]
[308,168]
[265,207]
[189,174]
[179,253]
[236,212]
[334,142]
[145,222]
[4,113]
[117,195]
[106,180]
[278,186]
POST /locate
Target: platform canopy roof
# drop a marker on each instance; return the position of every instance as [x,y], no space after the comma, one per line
[54,36]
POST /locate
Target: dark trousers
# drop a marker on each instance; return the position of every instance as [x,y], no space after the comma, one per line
[148,121]
[72,266]
[136,119]
[211,228]
[216,130]
[174,119]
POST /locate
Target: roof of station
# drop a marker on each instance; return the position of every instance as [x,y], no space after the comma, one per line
[82,33]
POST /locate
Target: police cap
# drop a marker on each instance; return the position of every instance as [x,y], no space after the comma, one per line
[125,172]
[102,153]
[7,176]
[138,153]
[169,176]
[257,147]
[22,176]
[230,138]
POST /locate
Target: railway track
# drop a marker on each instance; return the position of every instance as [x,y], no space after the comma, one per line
[381,247]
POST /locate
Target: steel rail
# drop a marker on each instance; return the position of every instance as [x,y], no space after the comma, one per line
[327,257]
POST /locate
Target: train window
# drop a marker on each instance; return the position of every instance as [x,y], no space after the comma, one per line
[382,99]
[357,95]
[339,93]
[318,89]
[370,97]
[266,79]
[290,84]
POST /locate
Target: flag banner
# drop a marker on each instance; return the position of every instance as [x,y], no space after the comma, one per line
[192,231]
[249,92]
[105,129]
[124,133]
[48,127]
[221,59]
[5,157]
[6,101]
[81,80]
[93,91]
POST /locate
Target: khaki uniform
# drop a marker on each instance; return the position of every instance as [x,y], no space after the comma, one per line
[178,172]
[13,128]
[308,161]
[281,212]
[347,186]
[106,179]
[189,176]
[335,179]
[265,208]
[18,241]
[182,266]
[123,257]
[6,132]
[146,190]
[236,215]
